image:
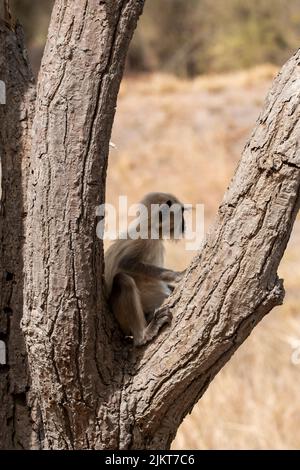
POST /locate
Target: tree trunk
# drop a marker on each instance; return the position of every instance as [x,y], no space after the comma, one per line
[89,389]
[15,124]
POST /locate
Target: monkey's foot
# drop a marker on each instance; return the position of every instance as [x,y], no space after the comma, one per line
[160,318]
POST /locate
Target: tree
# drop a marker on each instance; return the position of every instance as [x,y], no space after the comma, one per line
[79,385]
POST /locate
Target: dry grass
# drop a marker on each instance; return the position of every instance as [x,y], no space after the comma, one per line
[186,137]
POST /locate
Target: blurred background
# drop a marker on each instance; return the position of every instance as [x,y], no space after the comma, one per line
[196,78]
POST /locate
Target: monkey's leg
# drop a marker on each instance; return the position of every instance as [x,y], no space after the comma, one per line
[127,307]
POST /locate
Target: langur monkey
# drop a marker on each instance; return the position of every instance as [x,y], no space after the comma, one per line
[136,281]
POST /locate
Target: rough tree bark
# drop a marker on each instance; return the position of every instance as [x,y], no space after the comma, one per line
[15,123]
[88,389]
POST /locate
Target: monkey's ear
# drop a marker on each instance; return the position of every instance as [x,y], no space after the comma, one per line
[169,203]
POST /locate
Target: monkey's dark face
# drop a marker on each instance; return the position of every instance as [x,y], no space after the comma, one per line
[175,215]
[166,216]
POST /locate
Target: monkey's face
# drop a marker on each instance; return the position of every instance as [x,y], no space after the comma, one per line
[165,216]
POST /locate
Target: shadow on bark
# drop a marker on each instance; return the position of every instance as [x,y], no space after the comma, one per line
[15,126]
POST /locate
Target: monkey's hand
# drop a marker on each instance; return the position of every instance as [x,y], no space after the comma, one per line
[174,278]
[180,275]
[168,275]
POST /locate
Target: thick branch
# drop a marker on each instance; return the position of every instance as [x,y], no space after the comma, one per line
[233,282]
[68,333]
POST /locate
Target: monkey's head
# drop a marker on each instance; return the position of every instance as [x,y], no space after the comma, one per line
[165,215]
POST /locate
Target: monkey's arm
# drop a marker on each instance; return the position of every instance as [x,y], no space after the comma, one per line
[152,271]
